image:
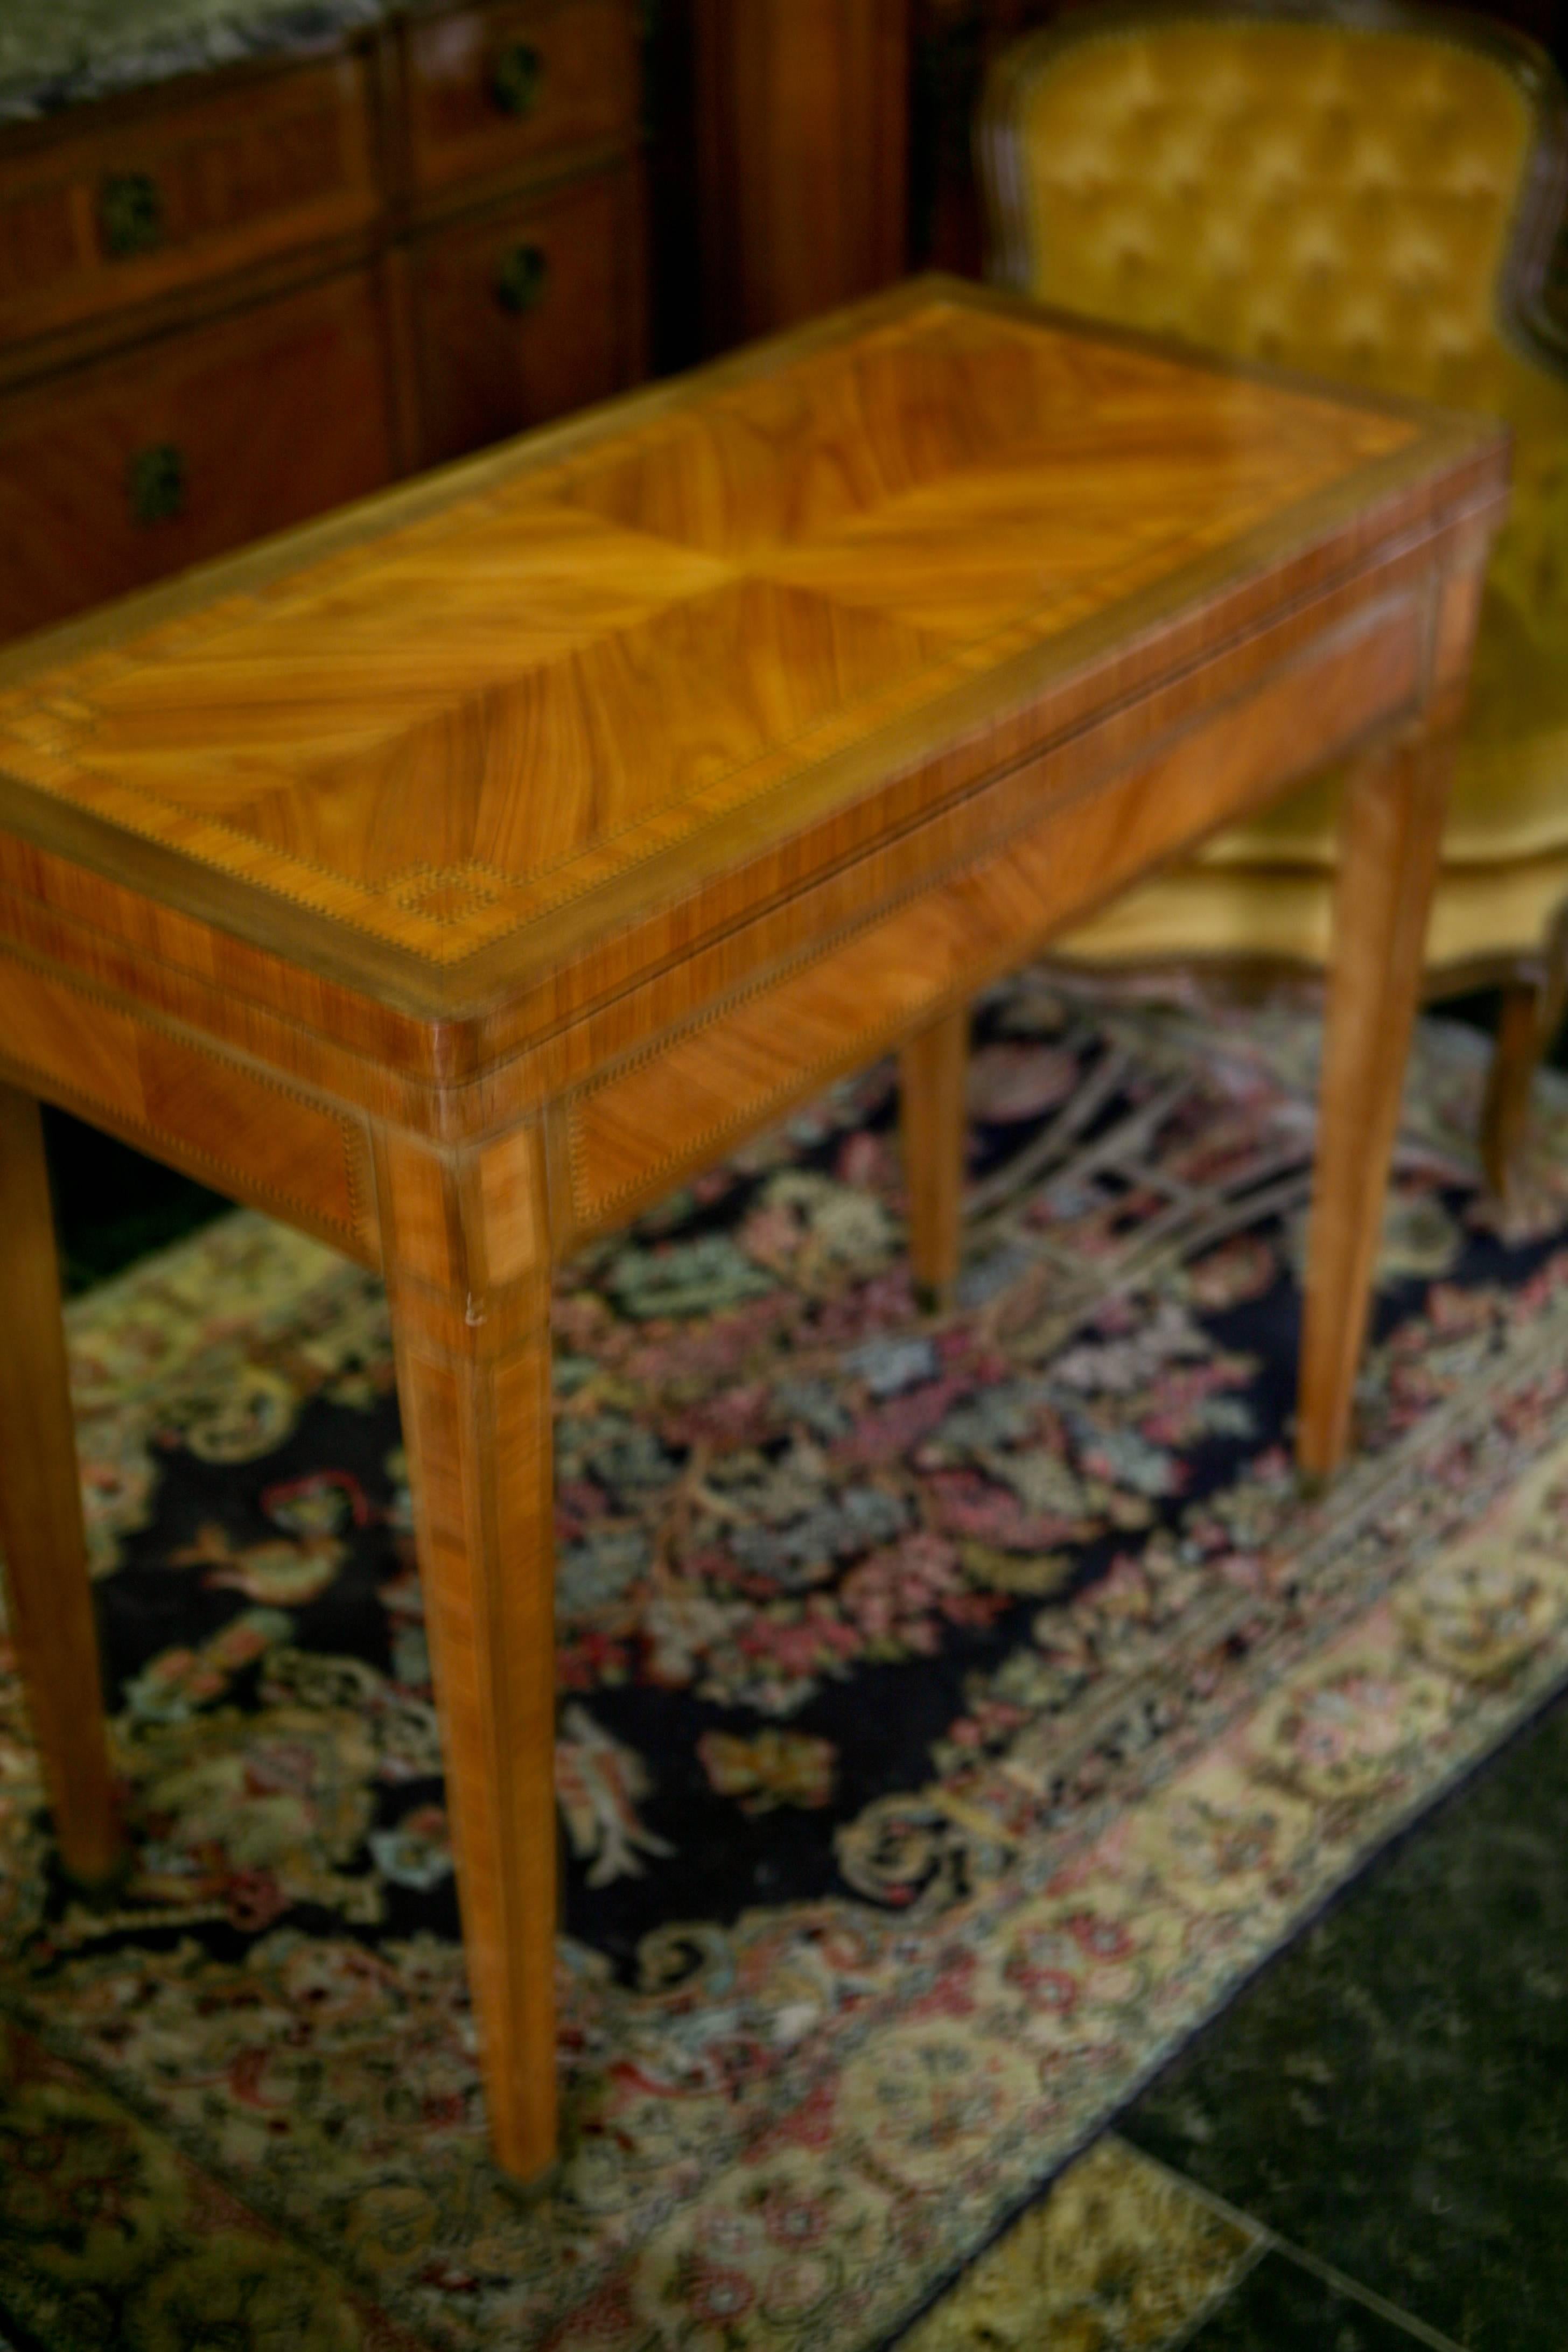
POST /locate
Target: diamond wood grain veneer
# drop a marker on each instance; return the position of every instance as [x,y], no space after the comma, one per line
[610,643]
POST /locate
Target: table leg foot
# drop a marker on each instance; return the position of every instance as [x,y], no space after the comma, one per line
[51,1613]
[1527,1021]
[104,1890]
[535,2191]
[932,1069]
[473,1381]
[1392,828]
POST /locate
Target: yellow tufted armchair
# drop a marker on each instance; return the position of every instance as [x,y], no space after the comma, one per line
[1367,192]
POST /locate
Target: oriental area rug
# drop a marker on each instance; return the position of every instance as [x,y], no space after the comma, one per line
[955,1711]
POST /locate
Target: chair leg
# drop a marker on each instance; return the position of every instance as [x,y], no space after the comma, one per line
[1505,1113]
[930,1076]
[1531,1010]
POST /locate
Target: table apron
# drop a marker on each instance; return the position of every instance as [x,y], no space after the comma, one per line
[630,1133]
[228,1123]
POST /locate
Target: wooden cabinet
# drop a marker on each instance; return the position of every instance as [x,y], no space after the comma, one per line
[508,88]
[525,311]
[801,156]
[232,300]
[153,460]
[95,217]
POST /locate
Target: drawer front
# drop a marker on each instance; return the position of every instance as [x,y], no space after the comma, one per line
[120,213]
[526,314]
[496,89]
[123,473]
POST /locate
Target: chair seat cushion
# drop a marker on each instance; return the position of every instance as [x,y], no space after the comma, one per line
[1283,915]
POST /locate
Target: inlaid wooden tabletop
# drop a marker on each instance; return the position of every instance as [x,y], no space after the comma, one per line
[692,650]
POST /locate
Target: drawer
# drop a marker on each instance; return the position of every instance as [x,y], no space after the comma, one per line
[497,90]
[527,313]
[121,211]
[119,473]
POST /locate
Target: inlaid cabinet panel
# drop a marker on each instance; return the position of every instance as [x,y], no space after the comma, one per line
[525,313]
[493,90]
[118,474]
[237,298]
[118,212]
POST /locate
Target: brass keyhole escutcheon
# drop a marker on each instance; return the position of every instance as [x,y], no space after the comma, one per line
[130,214]
[521,280]
[155,483]
[515,78]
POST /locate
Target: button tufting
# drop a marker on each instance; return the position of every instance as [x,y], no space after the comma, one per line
[1319,196]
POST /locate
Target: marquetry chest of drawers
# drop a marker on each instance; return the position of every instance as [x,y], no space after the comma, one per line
[231,300]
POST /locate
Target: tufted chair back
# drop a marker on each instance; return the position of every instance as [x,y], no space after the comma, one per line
[1368,192]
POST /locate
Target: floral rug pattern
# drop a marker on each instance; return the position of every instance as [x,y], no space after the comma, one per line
[953,1710]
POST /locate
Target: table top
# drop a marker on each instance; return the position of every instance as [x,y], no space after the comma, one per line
[666,663]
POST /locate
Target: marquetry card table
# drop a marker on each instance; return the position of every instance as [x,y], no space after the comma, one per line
[453,875]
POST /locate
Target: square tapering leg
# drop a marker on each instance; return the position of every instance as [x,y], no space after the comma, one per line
[473,1384]
[1391,829]
[40,1512]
